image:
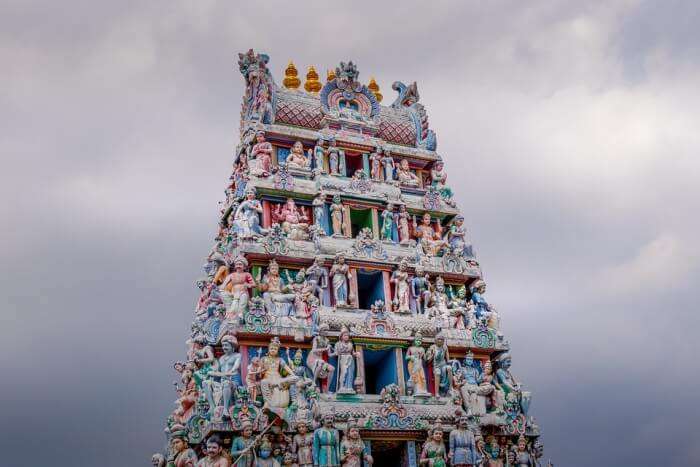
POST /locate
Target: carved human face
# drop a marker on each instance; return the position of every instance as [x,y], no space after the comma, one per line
[302,428]
[328,422]
[341,259]
[417,342]
[505,364]
[298,148]
[273,350]
[178,445]
[260,138]
[404,164]
[227,347]
[426,219]
[459,222]
[463,422]
[437,436]
[274,269]
[522,444]
[440,341]
[239,266]
[250,196]
[290,203]
[354,433]
[247,431]
[213,449]
[468,360]
[488,368]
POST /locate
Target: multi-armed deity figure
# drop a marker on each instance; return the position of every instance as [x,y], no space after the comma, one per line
[274,386]
[347,367]
[352,449]
[278,297]
[415,355]
[326,444]
[426,234]
[226,378]
[297,159]
[294,221]
[246,219]
[235,289]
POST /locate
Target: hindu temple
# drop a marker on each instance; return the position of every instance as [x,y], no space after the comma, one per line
[343,319]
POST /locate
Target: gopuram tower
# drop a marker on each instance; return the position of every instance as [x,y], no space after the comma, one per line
[343,320]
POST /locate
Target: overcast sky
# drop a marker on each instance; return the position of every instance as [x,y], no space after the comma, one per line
[570,134]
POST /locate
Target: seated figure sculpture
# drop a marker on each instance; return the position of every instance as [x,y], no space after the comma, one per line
[405,176]
[456,238]
[278,297]
[246,218]
[426,234]
[294,221]
[262,154]
[297,159]
[273,385]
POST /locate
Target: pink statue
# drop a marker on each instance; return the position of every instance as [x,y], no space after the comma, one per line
[428,236]
[294,221]
[235,289]
[262,152]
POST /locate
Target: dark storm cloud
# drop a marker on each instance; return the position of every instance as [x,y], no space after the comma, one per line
[570,136]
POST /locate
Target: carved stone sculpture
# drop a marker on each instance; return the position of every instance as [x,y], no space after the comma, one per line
[388,224]
[337,215]
[278,297]
[420,289]
[302,445]
[225,379]
[439,356]
[320,368]
[275,387]
[402,298]
[352,449]
[214,454]
[375,164]
[340,278]
[243,446]
[235,289]
[404,234]
[294,220]
[462,445]
[246,219]
[180,453]
[326,444]
[297,159]
[262,154]
[415,355]
[405,176]
[434,453]
[344,349]
[425,233]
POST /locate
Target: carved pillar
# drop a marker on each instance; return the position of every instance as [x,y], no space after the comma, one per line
[375,223]
[400,376]
[267,214]
[365,164]
[275,160]
[243,349]
[347,224]
[360,361]
[386,275]
[411,454]
[355,302]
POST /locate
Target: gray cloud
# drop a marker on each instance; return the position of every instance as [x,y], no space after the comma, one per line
[570,137]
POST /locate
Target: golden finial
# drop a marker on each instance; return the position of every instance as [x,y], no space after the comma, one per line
[312,83]
[330,76]
[290,77]
[374,87]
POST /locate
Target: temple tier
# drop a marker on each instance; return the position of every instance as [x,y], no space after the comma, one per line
[342,319]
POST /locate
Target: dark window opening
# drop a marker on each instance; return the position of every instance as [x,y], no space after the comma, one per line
[380,370]
[370,288]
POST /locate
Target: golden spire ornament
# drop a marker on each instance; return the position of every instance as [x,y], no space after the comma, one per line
[330,76]
[312,83]
[374,87]
[291,81]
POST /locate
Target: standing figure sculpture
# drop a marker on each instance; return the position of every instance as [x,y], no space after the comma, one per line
[326,445]
[415,355]
[433,453]
[333,158]
[319,156]
[235,289]
[438,177]
[506,383]
[274,386]
[344,349]
[317,276]
[462,445]
[405,176]
[375,163]
[388,225]
[402,298]
[523,457]
[318,205]
[352,449]
[337,214]
[243,447]
[439,356]
[320,368]
[481,306]
[404,234]
[226,379]
[302,445]
[456,238]
[388,165]
[214,454]
[262,152]
[340,279]
[296,158]
[246,218]
[420,289]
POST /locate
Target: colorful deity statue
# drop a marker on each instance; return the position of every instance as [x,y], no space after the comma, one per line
[433,453]
[506,383]
[488,383]
[439,356]
[375,164]
[187,392]
[420,289]
[427,235]
[444,314]
[404,233]
[402,294]
[388,224]
[462,445]
[352,449]
[302,445]
[158,460]
[340,279]
[303,293]
[473,389]
[319,156]
[317,276]
[181,455]
[203,358]
[214,454]
[246,218]
[333,157]
[415,355]
[344,349]
[320,368]
[277,296]
[224,379]
[438,177]
[243,447]
[337,214]
[492,452]
[481,306]
[388,166]
[456,238]
[318,206]
[254,373]
[274,386]
[294,221]
[326,444]
[266,455]
[523,456]
[405,176]
[296,158]
[235,289]
[262,153]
